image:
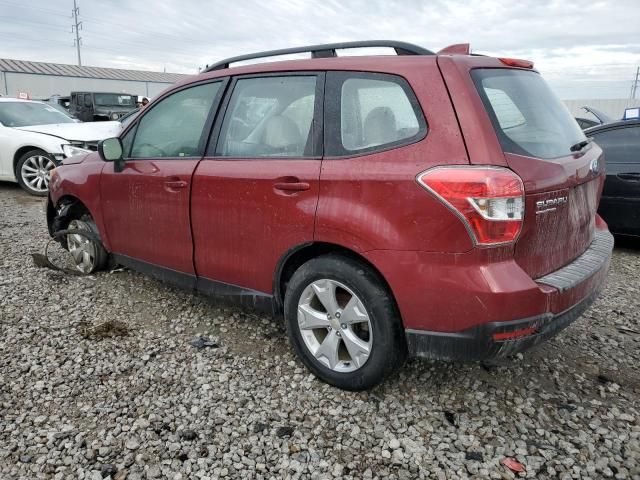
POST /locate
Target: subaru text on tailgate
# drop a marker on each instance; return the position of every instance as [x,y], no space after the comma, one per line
[419,204]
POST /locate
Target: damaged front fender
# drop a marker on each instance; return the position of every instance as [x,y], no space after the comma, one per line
[58,216]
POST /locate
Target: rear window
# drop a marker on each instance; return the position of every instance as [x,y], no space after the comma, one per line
[526,115]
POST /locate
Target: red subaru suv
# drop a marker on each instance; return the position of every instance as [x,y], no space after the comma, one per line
[439,205]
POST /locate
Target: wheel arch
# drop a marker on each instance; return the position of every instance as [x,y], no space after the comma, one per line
[66,209]
[21,151]
[298,255]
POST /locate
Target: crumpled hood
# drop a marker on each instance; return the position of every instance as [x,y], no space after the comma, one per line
[84,132]
[75,159]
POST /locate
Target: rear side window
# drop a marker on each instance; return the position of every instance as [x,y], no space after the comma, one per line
[621,145]
[526,115]
[270,117]
[368,112]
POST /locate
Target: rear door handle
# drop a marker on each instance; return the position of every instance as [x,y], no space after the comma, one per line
[291,186]
[631,177]
[175,184]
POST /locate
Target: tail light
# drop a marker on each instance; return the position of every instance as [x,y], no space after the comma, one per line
[489,200]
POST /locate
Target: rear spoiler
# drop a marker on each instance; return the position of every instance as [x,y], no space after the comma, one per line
[456,49]
[465,49]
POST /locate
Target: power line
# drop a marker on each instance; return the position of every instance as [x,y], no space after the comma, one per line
[17,21]
[634,87]
[33,40]
[31,7]
[93,20]
[95,43]
[98,35]
[76,27]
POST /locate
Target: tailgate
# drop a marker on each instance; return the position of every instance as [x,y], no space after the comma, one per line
[560,210]
[561,171]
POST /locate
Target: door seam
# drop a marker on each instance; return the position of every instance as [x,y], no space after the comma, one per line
[315,213]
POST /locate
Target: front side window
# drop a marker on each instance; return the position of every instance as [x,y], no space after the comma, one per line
[620,145]
[174,127]
[526,115]
[127,141]
[269,117]
[125,120]
[368,112]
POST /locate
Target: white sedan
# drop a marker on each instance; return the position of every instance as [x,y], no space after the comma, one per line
[35,137]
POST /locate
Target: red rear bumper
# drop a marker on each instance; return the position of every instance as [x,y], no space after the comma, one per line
[465,307]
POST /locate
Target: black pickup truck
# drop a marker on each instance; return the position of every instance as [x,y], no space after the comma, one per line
[95,106]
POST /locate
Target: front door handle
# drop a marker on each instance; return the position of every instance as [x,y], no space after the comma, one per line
[630,177]
[291,186]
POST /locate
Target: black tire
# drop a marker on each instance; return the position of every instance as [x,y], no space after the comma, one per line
[101,254]
[19,173]
[388,346]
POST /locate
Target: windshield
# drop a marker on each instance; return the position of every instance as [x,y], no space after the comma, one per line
[526,115]
[113,99]
[58,107]
[24,114]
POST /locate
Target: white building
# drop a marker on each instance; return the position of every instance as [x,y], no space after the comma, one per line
[42,80]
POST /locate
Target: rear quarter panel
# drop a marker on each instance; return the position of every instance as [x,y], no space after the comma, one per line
[373,202]
[481,141]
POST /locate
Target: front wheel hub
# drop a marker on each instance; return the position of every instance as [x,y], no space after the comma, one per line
[82,249]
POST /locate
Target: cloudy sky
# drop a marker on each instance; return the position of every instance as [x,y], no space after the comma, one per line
[585,49]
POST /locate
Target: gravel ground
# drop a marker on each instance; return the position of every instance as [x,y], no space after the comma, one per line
[83,399]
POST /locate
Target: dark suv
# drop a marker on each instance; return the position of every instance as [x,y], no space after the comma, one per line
[620,205]
[98,106]
[433,205]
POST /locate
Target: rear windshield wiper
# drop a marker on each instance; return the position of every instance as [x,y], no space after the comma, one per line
[580,145]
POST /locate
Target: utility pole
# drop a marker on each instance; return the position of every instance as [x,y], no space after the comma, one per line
[76,27]
[634,87]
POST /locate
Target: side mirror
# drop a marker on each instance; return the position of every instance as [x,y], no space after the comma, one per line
[110,150]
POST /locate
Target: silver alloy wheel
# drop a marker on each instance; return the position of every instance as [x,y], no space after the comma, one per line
[335,325]
[35,172]
[81,248]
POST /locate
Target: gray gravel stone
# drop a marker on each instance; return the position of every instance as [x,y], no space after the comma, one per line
[150,405]
[132,443]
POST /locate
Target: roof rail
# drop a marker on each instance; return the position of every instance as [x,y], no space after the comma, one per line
[325,51]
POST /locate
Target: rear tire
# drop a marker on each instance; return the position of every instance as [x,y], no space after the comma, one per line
[359,344]
[89,255]
[33,171]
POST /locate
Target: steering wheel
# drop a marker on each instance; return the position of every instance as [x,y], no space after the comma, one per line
[145,146]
